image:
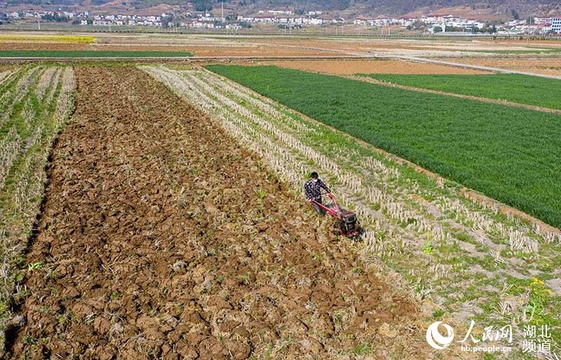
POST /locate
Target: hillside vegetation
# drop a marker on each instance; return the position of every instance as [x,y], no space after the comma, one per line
[507,9]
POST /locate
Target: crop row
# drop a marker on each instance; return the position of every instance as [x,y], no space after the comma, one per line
[36,102]
[31,38]
[522,89]
[510,154]
[424,231]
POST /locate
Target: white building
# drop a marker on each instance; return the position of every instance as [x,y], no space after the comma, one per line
[101,23]
[556,25]
[312,21]
[280,12]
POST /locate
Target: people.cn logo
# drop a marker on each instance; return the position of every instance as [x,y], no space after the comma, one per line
[436,339]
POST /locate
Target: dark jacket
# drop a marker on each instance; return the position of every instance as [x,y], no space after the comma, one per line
[312,189]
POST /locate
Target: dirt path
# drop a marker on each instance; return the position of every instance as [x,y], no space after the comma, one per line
[163,238]
[368,66]
[469,97]
[470,66]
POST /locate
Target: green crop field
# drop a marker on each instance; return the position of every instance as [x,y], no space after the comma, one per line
[90,54]
[508,153]
[523,89]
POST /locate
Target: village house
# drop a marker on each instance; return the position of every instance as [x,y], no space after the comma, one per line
[285,17]
[556,25]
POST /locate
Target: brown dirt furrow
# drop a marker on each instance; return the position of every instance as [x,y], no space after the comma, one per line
[162,238]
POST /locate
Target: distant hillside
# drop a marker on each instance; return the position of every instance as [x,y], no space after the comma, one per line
[398,7]
[506,9]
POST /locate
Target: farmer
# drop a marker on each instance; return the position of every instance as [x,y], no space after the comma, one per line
[312,189]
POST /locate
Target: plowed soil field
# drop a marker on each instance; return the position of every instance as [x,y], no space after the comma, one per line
[161,237]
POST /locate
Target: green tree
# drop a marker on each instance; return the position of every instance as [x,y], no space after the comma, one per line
[167,21]
[202,5]
[54,17]
[515,14]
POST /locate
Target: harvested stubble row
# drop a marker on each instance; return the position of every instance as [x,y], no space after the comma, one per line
[35,102]
[163,238]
